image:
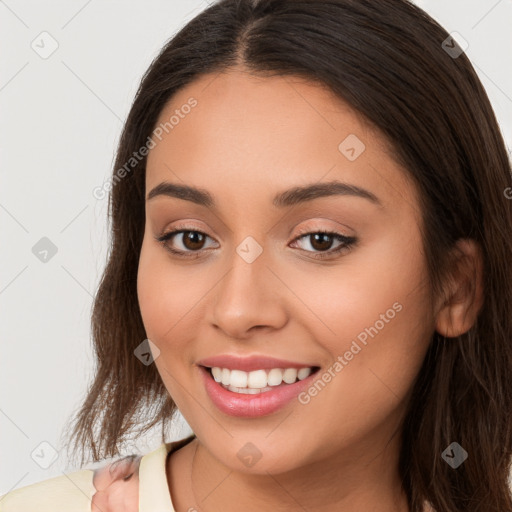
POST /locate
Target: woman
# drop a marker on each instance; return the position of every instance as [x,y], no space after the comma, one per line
[310,260]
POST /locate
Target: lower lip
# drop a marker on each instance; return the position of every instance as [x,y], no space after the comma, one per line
[252,406]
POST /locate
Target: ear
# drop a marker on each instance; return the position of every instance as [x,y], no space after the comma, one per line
[464,291]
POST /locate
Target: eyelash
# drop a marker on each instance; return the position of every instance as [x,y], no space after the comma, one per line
[347,242]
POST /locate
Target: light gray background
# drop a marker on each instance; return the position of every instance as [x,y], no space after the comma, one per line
[60,122]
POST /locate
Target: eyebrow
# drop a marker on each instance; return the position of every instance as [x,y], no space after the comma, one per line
[284,199]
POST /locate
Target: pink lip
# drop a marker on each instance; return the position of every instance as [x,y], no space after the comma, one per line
[251,406]
[248,364]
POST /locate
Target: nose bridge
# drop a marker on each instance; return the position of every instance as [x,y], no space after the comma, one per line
[246,296]
[244,284]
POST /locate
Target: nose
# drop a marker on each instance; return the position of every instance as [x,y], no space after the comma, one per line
[248,297]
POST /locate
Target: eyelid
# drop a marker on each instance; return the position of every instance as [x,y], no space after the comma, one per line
[184,226]
[322,229]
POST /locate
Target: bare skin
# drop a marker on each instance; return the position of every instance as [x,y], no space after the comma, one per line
[117,487]
[246,140]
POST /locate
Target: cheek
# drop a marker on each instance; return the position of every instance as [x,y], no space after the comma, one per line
[373,321]
[151,292]
[382,276]
[170,299]
[166,298]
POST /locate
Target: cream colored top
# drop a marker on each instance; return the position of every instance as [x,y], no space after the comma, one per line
[73,492]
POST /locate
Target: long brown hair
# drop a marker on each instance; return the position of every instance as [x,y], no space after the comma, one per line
[391,62]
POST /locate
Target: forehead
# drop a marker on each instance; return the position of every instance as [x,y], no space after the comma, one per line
[236,133]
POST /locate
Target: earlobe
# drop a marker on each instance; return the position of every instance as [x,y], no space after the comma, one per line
[464,291]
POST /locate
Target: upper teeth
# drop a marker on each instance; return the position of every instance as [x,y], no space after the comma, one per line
[258,379]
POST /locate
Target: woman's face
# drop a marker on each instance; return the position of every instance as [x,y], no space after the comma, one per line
[251,283]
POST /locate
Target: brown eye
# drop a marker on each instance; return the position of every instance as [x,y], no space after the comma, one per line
[184,242]
[193,240]
[321,241]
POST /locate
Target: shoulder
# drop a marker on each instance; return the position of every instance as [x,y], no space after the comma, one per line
[71,492]
[122,485]
[107,489]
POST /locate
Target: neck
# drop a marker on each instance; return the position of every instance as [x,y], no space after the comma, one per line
[344,481]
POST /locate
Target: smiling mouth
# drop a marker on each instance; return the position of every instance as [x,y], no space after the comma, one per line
[258,381]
